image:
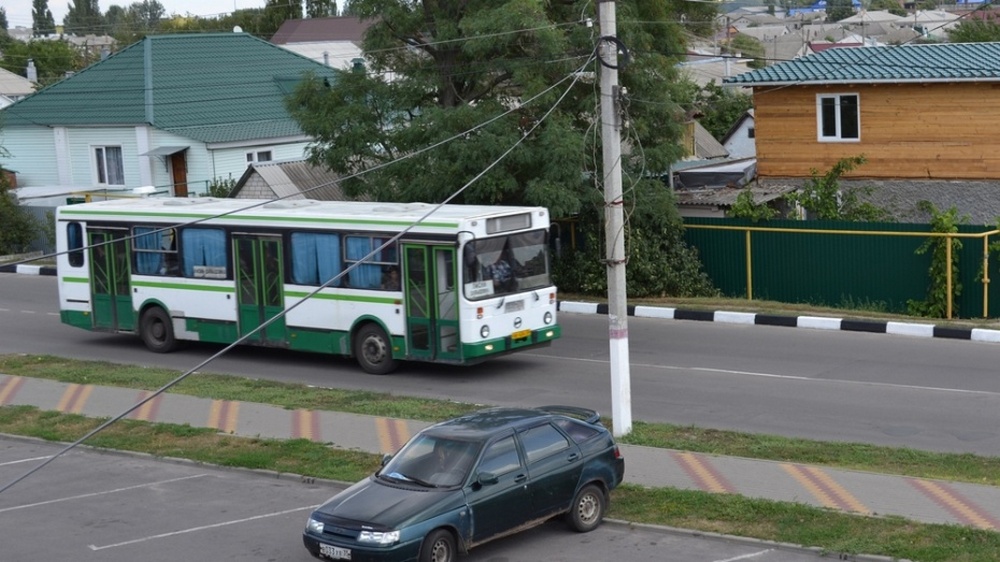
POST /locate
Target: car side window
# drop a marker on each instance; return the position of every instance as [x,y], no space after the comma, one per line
[578,431]
[542,441]
[501,457]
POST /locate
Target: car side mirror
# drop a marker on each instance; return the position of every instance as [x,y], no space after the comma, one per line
[487,478]
[386,458]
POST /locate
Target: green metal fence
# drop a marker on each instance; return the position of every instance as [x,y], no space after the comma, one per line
[842,264]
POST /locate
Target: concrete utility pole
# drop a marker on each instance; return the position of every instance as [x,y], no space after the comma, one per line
[621,394]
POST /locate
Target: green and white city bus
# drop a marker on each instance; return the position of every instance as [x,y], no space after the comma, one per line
[466,284]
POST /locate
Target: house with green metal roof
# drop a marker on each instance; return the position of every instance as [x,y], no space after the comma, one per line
[175,112]
[914,111]
[925,118]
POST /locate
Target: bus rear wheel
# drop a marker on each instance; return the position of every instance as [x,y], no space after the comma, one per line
[373,350]
[157,331]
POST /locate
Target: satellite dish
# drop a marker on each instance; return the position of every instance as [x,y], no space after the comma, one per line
[237,29]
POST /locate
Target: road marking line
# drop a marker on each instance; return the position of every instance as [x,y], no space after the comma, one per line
[953,502]
[94,494]
[202,528]
[703,473]
[25,460]
[9,388]
[74,398]
[825,489]
[392,434]
[747,556]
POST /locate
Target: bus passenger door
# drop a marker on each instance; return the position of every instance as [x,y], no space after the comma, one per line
[260,287]
[431,302]
[110,290]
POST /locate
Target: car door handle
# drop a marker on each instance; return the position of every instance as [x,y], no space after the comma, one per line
[520,478]
[572,457]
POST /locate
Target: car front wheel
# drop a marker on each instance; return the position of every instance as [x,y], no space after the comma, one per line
[588,508]
[438,546]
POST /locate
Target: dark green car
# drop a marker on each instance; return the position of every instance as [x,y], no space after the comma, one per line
[463,482]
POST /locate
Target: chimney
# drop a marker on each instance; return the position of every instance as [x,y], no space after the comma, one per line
[358,65]
[31,71]
[326,58]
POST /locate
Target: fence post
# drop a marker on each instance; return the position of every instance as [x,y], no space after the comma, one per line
[749,267]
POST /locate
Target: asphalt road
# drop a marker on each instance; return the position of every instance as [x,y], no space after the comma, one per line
[110,507]
[931,394]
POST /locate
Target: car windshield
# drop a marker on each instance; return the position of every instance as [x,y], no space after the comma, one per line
[432,461]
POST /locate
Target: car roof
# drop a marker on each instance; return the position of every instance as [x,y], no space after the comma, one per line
[482,424]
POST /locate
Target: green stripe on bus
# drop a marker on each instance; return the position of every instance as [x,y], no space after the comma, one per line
[83,280]
[182,286]
[265,219]
[339,297]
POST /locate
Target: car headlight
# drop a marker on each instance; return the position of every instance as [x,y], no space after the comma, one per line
[484,332]
[314,526]
[383,538]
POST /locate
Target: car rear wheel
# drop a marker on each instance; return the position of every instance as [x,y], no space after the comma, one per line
[157,331]
[438,546]
[373,350]
[588,509]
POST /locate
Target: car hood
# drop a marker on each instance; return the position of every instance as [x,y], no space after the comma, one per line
[388,505]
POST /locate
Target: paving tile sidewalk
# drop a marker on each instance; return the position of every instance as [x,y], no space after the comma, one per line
[929,501]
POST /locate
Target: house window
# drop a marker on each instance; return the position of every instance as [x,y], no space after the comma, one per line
[838,118]
[751,133]
[110,170]
[259,156]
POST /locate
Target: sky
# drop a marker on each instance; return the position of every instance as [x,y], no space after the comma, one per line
[19,11]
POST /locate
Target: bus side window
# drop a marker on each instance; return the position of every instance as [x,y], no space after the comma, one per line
[203,253]
[74,243]
[315,258]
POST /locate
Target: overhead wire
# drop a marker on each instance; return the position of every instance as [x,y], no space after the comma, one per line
[575,76]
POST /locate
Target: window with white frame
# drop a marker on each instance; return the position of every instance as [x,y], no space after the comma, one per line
[838,118]
[259,156]
[110,169]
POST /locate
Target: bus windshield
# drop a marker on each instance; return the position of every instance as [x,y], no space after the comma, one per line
[505,265]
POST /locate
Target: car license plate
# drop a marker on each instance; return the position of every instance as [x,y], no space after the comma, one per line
[513,306]
[521,334]
[335,552]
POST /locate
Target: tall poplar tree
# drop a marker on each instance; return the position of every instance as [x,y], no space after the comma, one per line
[321,8]
[84,17]
[42,22]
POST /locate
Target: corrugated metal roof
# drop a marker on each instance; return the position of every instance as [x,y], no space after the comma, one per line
[297,179]
[344,28]
[944,62]
[217,87]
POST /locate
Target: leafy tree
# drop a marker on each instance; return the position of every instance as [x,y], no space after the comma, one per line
[84,17]
[975,31]
[42,22]
[3,20]
[825,200]
[52,58]
[19,226]
[837,10]
[746,208]
[748,47]
[457,65]
[938,298]
[891,6]
[720,108]
[128,25]
[321,8]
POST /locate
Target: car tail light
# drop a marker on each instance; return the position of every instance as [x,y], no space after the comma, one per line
[618,454]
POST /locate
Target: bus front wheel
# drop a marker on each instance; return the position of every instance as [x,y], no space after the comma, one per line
[373,350]
[157,331]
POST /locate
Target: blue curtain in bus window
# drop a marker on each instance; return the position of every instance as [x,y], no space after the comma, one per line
[315,258]
[203,246]
[365,276]
[148,262]
[74,239]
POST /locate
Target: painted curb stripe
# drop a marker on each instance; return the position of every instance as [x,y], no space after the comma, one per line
[148,411]
[305,425]
[223,415]
[9,388]
[954,503]
[392,434]
[827,491]
[74,398]
[705,475]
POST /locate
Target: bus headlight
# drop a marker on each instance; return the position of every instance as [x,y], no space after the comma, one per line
[484,332]
[547,318]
